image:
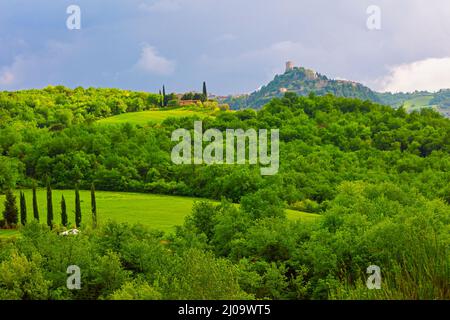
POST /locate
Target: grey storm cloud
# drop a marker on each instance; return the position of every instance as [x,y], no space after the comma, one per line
[235,45]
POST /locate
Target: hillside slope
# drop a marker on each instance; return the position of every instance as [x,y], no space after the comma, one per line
[303,81]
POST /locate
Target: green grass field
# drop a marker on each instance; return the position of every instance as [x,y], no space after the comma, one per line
[7,233]
[155,211]
[155,116]
[418,103]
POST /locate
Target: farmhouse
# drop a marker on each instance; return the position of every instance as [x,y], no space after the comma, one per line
[188,102]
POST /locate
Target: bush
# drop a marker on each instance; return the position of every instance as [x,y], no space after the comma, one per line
[307,205]
[136,290]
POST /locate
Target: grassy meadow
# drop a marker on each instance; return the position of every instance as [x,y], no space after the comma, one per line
[418,103]
[159,212]
[154,116]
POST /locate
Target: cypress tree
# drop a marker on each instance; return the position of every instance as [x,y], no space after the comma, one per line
[63,212]
[10,214]
[161,102]
[77,208]
[205,92]
[23,209]
[94,207]
[164,96]
[49,205]
[35,204]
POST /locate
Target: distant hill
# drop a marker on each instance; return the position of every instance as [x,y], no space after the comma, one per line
[304,81]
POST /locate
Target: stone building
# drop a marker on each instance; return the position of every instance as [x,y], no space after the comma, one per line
[289,66]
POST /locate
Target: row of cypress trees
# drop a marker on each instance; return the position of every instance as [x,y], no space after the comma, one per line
[164,97]
[10,213]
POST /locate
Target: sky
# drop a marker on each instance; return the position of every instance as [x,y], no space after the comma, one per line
[234,45]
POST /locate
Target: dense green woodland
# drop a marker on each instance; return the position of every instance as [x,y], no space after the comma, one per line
[378,176]
[442,98]
[59,107]
[324,141]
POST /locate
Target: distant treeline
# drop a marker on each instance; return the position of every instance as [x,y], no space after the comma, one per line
[62,107]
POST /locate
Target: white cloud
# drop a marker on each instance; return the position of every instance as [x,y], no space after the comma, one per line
[152,62]
[39,68]
[429,74]
[12,74]
[6,77]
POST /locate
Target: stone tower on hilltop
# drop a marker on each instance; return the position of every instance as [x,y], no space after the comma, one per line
[289,66]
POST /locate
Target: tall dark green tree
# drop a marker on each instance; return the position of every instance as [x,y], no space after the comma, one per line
[164,97]
[23,209]
[35,204]
[205,92]
[64,220]
[77,208]
[94,207]
[10,214]
[49,205]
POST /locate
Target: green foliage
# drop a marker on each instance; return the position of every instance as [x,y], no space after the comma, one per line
[59,107]
[202,218]
[378,177]
[205,91]
[441,98]
[23,278]
[136,290]
[303,82]
[23,209]
[35,204]
[324,141]
[403,233]
[230,225]
[193,96]
[144,118]
[117,262]
[64,219]
[159,212]
[9,172]
[10,212]
[93,207]
[164,98]
[263,203]
[77,208]
[49,206]
[201,276]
